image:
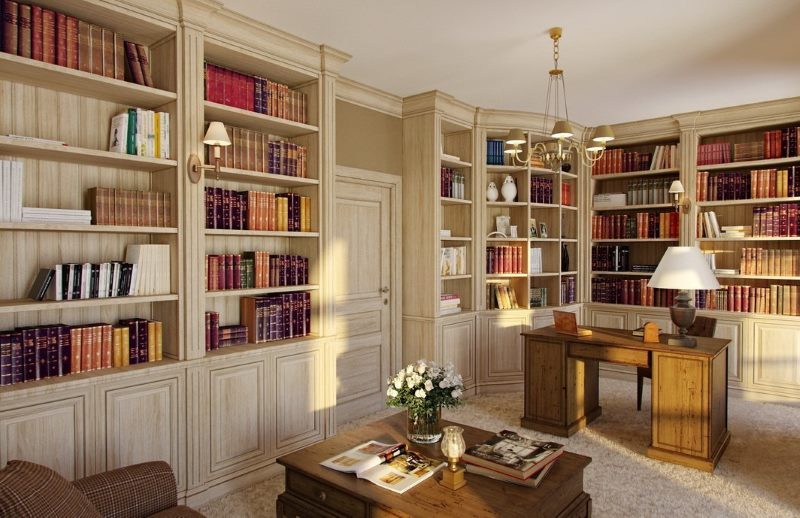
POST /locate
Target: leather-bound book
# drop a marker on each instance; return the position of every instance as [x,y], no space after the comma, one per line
[48,36]
[84,47]
[144,61]
[37,40]
[96,36]
[24,31]
[61,39]
[73,42]
[134,66]
[119,57]
[10,27]
[108,52]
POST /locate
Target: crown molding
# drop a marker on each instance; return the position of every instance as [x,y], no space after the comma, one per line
[660,128]
[196,13]
[444,104]
[369,97]
[742,117]
[331,59]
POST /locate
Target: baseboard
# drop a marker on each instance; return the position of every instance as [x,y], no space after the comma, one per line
[212,491]
[499,387]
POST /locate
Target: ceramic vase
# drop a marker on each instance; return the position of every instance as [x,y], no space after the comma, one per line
[509,189]
[491,192]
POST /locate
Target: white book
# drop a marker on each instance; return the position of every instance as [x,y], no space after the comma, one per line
[118,134]
[36,140]
[115,271]
[5,190]
[164,135]
[151,134]
[101,281]
[17,190]
[70,272]
[140,124]
[714,223]
[54,290]
[86,276]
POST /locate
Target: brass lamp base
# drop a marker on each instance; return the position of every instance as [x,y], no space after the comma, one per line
[453,479]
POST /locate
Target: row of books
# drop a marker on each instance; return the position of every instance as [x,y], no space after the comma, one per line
[769,261]
[505,259]
[494,152]
[452,184]
[500,296]
[276,317]
[453,261]
[744,185]
[218,336]
[254,269]
[35,353]
[630,291]
[780,143]
[647,191]
[776,220]
[254,93]
[11,190]
[255,210]
[252,150]
[538,297]
[542,190]
[568,290]
[611,258]
[642,225]
[111,206]
[449,303]
[140,132]
[56,216]
[777,299]
[52,37]
[621,161]
[145,271]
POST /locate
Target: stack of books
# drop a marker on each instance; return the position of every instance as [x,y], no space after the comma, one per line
[535,261]
[736,231]
[10,190]
[512,458]
[56,216]
[538,297]
[450,303]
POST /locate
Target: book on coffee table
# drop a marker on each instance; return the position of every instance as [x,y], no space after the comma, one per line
[511,454]
[389,466]
[532,481]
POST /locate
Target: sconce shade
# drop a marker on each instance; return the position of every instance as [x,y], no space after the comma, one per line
[562,129]
[603,134]
[595,146]
[510,148]
[216,135]
[516,137]
[683,268]
[676,187]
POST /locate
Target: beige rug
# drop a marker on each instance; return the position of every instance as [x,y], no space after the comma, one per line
[757,476]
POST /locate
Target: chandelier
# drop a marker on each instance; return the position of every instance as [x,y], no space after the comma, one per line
[558,152]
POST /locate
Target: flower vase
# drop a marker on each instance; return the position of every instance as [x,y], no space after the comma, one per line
[423,425]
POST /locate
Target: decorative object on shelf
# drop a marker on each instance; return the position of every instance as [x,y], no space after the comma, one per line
[683,268]
[491,192]
[533,230]
[503,224]
[509,189]
[216,136]
[543,230]
[558,152]
[423,388]
[453,448]
[680,200]
[513,231]
[564,258]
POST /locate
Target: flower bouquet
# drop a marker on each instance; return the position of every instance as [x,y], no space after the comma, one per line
[423,388]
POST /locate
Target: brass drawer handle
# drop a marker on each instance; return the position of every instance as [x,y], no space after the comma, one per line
[322,496]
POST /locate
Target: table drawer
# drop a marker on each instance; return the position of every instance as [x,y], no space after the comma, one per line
[609,354]
[289,506]
[324,495]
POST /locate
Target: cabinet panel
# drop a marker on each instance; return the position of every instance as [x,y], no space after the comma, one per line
[734,331]
[776,355]
[298,405]
[52,434]
[662,320]
[502,348]
[458,346]
[608,318]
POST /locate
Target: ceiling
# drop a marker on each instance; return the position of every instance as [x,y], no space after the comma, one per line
[624,60]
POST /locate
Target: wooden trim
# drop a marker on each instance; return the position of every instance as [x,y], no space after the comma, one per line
[368,97]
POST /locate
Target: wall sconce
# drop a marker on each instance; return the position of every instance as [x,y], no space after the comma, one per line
[680,201]
[216,136]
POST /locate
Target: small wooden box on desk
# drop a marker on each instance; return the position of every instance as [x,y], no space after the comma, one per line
[689,421]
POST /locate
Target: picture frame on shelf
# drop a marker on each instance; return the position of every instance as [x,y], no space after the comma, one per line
[513,231]
[543,230]
[533,231]
[503,224]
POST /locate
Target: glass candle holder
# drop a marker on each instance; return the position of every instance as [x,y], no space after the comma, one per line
[453,448]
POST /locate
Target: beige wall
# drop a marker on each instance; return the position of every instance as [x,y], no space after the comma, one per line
[368,139]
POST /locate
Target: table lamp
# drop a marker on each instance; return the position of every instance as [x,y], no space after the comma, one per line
[453,448]
[683,268]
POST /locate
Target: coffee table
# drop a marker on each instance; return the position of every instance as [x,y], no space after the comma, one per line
[313,490]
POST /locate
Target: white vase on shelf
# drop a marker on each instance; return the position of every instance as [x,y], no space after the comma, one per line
[509,189]
[491,192]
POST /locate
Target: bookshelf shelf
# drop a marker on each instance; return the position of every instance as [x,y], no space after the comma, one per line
[78,155]
[456,238]
[646,206]
[63,79]
[734,239]
[490,276]
[256,121]
[568,207]
[572,272]
[261,291]
[506,239]
[568,240]
[546,240]
[105,229]
[751,164]
[543,205]
[455,164]
[635,174]
[19,305]
[631,274]
[747,201]
[506,204]
[545,274]
[456,277]
[758,277]
[653,240]
[540,170]
[497,169]
[454,201]
[568,176]
[254,347]
[259,233]
[240,175]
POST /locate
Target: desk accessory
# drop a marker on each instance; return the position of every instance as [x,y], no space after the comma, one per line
[453,447]
[566,323]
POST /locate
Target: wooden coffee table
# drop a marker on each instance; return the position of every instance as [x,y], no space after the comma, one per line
[312,490]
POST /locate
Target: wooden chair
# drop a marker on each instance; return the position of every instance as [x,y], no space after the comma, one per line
[702,326]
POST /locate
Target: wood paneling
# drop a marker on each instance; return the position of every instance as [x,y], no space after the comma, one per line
[609,318]
[733,330]
[458,346]
[501,347]
[776,355]
[298,399]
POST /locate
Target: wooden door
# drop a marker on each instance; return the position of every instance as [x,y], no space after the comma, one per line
[362,247]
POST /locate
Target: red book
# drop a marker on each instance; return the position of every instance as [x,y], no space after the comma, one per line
[251,93]
[37,39]
[10,27]
[24,31]
[96,36]
[144,61]
[72,42]
[84,47]
[134,67]
[228,84]
[49,36]
[209,85]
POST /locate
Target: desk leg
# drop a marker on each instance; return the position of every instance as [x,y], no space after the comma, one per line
[689,405]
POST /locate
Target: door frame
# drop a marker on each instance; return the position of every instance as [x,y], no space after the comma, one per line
[395,185]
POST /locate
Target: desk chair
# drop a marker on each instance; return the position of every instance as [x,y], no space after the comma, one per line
[702,326]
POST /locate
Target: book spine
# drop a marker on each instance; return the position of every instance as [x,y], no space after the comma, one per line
[37,36]
[84,47]
[10,27]
[24,31]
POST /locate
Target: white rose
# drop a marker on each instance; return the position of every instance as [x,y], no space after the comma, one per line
[411,382]
[391,392]
[420,393]
[398,383]
[428,385]
[456,393]
[444,384]
[409,369]
[421,367]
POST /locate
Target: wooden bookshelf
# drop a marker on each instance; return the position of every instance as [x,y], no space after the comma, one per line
[752,164]
[261,291]
[102,229]
[256,121]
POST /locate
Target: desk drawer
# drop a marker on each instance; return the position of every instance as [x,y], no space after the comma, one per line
[324,495]
[609,354]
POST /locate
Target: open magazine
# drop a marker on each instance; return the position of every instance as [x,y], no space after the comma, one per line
[389,466]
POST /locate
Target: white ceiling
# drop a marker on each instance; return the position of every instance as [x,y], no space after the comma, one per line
[624,60]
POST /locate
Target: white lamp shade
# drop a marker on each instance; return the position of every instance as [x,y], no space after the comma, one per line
[562,129]
[595,146]
[603,133]
[516,137]
[510,149]
[683,268]
[676,187]
[216,135]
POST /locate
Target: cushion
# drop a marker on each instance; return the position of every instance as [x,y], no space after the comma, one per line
[32,490]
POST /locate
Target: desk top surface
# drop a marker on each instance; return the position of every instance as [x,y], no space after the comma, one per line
[604,336]
[481,496]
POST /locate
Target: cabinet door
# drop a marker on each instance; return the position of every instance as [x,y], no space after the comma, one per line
[661,319]
[299,380]
[609,318]
[458,346]
[502,348]
[54,434]
[733,330]
[142,420]
[545,386]
[776,356]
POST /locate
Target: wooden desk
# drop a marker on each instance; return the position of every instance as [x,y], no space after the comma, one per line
[689,411]
[313,490]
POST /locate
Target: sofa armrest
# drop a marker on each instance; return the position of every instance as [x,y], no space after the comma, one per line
[133,491]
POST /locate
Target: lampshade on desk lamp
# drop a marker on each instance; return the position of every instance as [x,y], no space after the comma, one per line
[683,268]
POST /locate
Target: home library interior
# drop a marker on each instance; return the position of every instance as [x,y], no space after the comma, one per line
[94,140]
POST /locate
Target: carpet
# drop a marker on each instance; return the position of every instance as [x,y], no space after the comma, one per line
[757,475]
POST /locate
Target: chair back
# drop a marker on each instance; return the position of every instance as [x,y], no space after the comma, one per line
[703,326]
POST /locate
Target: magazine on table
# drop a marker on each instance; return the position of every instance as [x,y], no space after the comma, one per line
[512,454]
[390,466]
[532,481]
